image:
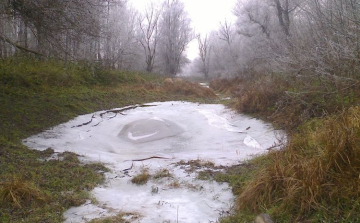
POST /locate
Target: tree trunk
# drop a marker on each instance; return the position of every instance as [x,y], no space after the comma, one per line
[283,16]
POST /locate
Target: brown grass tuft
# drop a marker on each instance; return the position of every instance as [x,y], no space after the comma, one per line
[174,184]
[17,192]
[162,174]
[141,178]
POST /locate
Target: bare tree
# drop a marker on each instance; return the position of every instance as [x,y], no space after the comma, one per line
[309,38]
[55,27]
[253,13]
[227,34]
[204,52]
[176,33]
[283,14]
[149,35]
[119,43]
[333,27]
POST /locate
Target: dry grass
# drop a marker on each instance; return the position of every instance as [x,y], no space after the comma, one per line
[34,190]
[162,174]
[258,96]
[141,178]
[261,95]
[119,218]
[18,193]
[227,86]
[288,100]
[178,89]
[179,86]
[193,165]
[315,177]
[174,184]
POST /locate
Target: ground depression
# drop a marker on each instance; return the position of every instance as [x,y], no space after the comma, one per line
[151,129]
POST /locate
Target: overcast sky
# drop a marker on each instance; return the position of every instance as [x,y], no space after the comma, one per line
[206,16]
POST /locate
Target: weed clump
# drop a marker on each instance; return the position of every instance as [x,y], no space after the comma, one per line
[162,174]
[47,152]
[141,178]
[174,184]
[193,165]
[119,218]
[17,192]
[70,157]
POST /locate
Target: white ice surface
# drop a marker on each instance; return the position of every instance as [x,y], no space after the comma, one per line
[151,129]
[210,132]
[205,85]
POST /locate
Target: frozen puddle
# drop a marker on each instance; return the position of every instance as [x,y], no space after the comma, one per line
[155,138]
[151,129]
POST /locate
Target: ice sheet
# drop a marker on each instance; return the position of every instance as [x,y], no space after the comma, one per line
[151,129]
[208,132]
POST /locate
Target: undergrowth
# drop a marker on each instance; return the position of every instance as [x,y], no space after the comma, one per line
[38,94]
[289,101]
[315,176]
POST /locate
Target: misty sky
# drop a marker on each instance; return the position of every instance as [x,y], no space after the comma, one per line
[205,15]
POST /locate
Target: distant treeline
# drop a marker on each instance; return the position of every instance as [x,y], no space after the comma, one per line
[108,32]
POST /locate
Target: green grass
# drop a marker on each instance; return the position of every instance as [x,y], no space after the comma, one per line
[119,218]
[143,177]
[38,94]
[32,190]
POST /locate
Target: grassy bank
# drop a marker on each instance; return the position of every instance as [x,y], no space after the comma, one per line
[36,95]
[289,101]
[315,176]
